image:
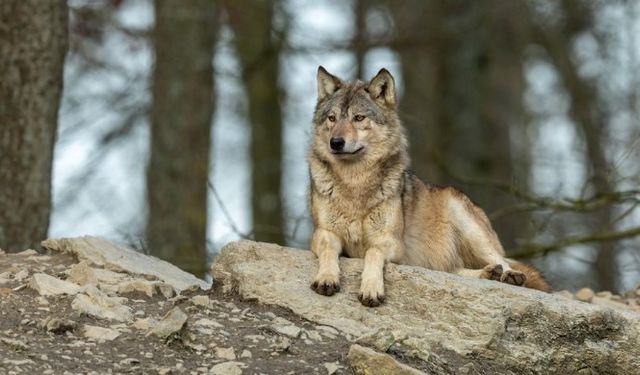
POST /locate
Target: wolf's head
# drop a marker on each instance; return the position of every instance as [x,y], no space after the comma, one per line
[356,120]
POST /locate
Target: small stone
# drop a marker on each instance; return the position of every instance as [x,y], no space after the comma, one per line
[201,301]
[5,292]
[225,353]
[98,304]
[130,361]
[246,354]
[313,335]
[99,333]
[585,295]
[48,285]
[367,361]
[21,275]
[166,290]
[227,368]
[57,325]
[282,344]
[16,345]
[287,330]
[142,286]
[208,323]
[144,324]
[171,323]
[82,274]
[332,367]
[27,253]
[604,294]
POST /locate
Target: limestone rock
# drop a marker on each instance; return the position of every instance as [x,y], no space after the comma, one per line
[171,323]
[99,305]
[82,274]
[48,285]
[227,368]
[57,325]
[99,333]
[225,353]
[105,254]
[443,322]
[367,361]
[585,295]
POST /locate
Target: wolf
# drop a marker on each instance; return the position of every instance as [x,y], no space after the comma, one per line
[365,203]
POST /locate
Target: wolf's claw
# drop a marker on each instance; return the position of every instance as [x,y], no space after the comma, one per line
[326,288]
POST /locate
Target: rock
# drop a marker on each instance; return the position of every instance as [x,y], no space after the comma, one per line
[14,344]
[208,323]
[227,368]
[332,367]
[201,301]
[246,354]
[585,295]
[171,323]
[225,353]
[27,253]
[442,321]
[57,325]
[367,361]
[99,305]
[99,333]
[48,285]
[21,275]
[144,324]
[142,286]
[285,327]
[105,254]
[82,274]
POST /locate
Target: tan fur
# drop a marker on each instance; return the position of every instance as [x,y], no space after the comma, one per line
[365,203]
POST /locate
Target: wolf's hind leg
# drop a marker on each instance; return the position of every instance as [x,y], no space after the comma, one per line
[327,247]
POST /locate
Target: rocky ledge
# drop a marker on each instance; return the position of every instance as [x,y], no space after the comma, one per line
[440,323]
[89,306]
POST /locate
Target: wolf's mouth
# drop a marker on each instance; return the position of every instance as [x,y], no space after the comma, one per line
[347,153]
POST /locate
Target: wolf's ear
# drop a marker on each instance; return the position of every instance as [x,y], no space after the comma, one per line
[382,89]
[327,83]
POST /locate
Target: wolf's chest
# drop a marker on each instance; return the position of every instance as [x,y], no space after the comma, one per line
[353,235]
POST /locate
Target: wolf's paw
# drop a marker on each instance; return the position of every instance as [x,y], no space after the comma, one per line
[371,300]
[326,285]
[492,272]
[513,277]
[371,293]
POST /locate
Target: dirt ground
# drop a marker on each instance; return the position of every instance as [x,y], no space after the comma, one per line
[223,335]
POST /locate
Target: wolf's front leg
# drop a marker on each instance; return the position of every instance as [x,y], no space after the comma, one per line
[372,286]
[327,247]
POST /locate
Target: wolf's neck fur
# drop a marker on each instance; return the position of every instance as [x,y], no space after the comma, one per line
[367,182]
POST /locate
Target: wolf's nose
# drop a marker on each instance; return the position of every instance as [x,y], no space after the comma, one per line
[336,144]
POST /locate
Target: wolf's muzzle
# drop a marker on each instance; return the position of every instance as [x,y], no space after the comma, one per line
[337,144]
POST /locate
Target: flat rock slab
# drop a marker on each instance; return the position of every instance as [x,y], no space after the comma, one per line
[105,254]
[440,322]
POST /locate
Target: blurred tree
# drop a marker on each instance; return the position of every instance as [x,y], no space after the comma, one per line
[462,68]
[181,113]
[588,113]
[33,44]
[258,47]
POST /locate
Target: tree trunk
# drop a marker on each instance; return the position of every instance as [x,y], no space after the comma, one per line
[259,53]
[181,113]
[33,44]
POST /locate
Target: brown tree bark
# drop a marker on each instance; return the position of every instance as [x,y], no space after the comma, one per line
[33,44]
[181,113]
[258,48]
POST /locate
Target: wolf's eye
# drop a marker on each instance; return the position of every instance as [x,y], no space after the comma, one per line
[359,118]
[332,118]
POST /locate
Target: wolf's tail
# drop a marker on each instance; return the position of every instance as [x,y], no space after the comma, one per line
[534,279]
